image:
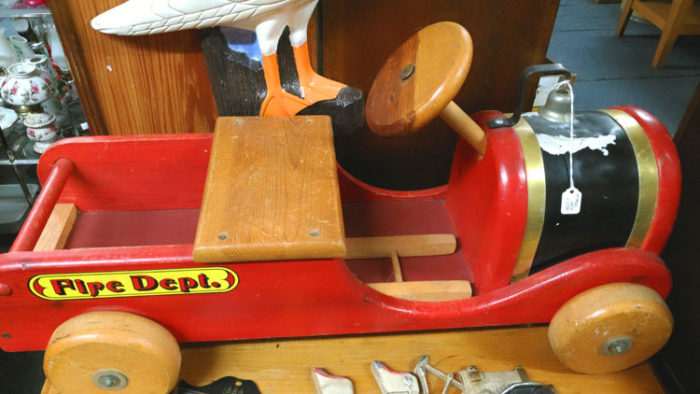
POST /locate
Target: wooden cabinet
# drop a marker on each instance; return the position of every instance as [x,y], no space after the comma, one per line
[135,85]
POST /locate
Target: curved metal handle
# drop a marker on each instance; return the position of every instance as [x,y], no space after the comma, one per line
[539,69]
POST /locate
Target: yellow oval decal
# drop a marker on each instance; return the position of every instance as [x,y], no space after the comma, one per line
[90,285]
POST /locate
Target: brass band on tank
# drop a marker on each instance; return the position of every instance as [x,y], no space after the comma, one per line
[536,198]
[648,175]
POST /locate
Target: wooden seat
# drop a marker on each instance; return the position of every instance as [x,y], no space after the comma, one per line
[680,17]
[271,192]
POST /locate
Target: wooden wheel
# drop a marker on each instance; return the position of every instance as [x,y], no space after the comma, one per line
[610,328]
[112,351]
[418,82]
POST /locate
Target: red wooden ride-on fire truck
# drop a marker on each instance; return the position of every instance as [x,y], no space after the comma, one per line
[104,263]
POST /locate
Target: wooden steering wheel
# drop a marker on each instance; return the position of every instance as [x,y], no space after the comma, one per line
[418,82]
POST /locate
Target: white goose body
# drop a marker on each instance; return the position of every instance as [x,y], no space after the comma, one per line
[267,17]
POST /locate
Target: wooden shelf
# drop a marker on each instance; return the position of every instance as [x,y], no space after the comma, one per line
[284,366]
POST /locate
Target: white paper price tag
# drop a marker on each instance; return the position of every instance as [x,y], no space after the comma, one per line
[571,201]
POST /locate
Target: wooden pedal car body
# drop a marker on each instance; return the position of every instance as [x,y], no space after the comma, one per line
[131,248]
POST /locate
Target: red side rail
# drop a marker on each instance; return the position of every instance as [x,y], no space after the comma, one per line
[39,215]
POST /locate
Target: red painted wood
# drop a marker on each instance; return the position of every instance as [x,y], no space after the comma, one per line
[403,217]
[100,229]
[669,170]
[397,217]
[133,173]
[353,189]
[487,199]
[298,298]
[41,211]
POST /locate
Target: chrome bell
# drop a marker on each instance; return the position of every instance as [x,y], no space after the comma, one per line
[558,106]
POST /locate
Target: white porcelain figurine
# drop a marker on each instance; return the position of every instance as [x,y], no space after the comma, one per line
[267,18]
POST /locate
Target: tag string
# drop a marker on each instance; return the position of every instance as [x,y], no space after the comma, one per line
[570,88]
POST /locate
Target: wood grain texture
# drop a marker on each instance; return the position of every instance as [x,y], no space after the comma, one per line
[135,85]
[403,245]
[396,265]
[399,102]
[57,228]
[418,82]
[284,366]
[428,291]
[584,325]
[358,37]
[465,126]
[271,192]
[145,352]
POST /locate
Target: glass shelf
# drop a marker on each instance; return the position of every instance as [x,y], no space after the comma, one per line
[65,105]
[17,162]
[23,12]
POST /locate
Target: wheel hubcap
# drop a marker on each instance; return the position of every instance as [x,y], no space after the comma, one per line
[617,345]
[110,379]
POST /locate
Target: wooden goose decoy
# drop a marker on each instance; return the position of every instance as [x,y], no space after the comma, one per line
[267,18]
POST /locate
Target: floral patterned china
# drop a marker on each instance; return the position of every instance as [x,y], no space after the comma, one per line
[25,85]
[42,129]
